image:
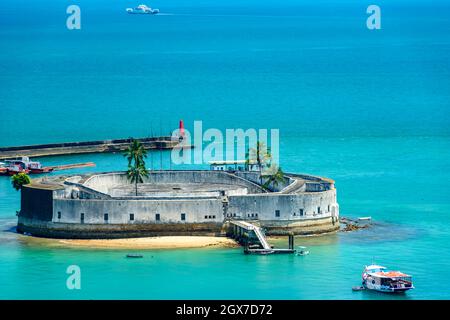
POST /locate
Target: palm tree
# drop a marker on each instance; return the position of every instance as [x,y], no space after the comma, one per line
[136,174]
[274,179]
[20,179]
[261,155]
[136,154]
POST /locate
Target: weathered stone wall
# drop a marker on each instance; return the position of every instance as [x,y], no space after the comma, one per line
[144,211]
[110,231]
[255,178]
[79,210]
[103,182]
[36,203]
[284,207]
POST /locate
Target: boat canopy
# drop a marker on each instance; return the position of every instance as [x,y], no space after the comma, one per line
[392,274]
[374,266]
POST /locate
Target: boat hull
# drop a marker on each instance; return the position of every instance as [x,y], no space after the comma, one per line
[386,289]
[41,170]
[11,172]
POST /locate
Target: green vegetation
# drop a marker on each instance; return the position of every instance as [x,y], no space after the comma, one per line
[274,178]
[20,179]
[136,154]
[261,156]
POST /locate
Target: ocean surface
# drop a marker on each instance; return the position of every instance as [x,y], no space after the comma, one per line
[369,109]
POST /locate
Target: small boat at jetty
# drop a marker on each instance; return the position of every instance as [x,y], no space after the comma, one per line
[142,9]
[378,278]
[302,251]
[22,165]
[134,255]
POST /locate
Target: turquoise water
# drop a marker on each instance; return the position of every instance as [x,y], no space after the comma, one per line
[368,109]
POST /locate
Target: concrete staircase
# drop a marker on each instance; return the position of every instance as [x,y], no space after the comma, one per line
[257,230]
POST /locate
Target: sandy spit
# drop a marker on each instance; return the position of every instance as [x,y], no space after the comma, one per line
[172,242]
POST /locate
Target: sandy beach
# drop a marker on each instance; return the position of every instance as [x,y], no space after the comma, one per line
[173,242]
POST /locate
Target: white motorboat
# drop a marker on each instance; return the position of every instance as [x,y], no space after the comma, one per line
[302,251]
[375,277]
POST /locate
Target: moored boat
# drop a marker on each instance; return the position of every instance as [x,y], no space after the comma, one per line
[3,169]
[13,169]
[36,167]
[23,165]
[302,251]
[379,278]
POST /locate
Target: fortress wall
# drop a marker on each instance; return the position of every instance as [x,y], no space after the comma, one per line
[144,211]
[111,231]
[289,220]
[289,206]
[42,206]
[255,178]
[318,225]
[36,203]
[102,182]
[315,183]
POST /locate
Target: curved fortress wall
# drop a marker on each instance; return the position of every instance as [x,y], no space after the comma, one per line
[83,208]
[306,213]
[103,182]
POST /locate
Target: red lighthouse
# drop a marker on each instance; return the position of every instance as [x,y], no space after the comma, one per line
[181,129]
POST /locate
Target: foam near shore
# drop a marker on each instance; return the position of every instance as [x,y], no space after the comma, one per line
[170,242]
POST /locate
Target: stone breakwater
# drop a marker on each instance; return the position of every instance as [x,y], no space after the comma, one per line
[99,146]
[176,203]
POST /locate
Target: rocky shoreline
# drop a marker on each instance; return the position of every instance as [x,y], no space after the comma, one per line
[348,224]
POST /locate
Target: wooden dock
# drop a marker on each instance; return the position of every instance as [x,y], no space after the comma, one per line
[100,146]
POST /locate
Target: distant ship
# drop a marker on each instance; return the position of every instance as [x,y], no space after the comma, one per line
[142,9]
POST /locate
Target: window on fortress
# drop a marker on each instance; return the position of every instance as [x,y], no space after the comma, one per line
[183,216]
[106,217]
[213,217]
[301,212]
[82,218]
[158,217]
[318,210]
[328,208]
[131,216]
[59,214]
[256,215]
[206,217]
[277,213]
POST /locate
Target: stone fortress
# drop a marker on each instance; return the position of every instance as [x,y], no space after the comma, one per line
[175,202]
